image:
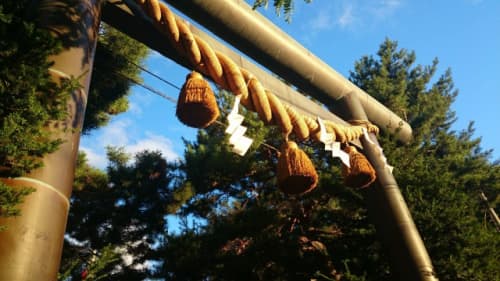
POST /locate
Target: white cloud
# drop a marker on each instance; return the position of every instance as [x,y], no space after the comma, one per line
[346,18]
[115,133]
[135,108]
[128,259]
[338,14]
[153,142]
[351,15]
[95,159]
[141,99]
[121,133]
[385,8]
[322,21]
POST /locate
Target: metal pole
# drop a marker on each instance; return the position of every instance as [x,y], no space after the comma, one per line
[31,247]
[253,34]
[491,211]
[387,208]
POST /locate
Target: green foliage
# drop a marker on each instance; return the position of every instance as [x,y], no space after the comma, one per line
[123,208]
[94,266]
[87,177]
[254,232]
[29,99]
[441,172]
[115,59]
[99,269]
[10,198]
[285,5]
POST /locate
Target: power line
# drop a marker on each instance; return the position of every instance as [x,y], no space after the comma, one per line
[153,74]
[165,96]
[145,70]
[149,88]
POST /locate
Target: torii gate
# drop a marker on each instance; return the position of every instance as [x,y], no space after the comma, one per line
[31,249]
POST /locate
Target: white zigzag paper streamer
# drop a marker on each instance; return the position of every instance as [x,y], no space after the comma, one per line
[331,145]
[239,142]
[381,151]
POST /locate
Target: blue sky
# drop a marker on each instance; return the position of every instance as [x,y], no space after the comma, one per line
[463,34]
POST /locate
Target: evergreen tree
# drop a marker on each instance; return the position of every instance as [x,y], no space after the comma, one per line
[121,211]
[10,198]
[88,264]
[254,232]
[115,65]
[441,171]
[30,100]
[285,5]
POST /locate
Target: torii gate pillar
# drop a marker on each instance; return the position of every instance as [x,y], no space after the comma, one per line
[31,247]
[388,210]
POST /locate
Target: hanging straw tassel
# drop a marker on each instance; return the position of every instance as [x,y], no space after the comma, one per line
[296,173]
[361,173]
[197,106]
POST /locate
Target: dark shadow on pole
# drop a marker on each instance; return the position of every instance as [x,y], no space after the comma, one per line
[388,210]
[31,247]
[73,22]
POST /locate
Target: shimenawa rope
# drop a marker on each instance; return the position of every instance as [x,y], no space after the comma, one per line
[239,81]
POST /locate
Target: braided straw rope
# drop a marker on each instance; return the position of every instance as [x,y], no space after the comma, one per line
[239,81]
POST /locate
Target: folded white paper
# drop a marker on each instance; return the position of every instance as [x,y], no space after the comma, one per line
[239,143]
[339,153]
[331,145]
[238,133]
[234,121]
[380,150]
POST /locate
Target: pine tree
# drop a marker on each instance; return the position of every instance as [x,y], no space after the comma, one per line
[285,5]
[91,265]
[10,198]
[122,211]
[254,232]
[115,65]
[30,100]
[441,171]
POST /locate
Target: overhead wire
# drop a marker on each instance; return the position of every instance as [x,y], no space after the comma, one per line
[165,96]
[149,88]
[152,74]
[228,75]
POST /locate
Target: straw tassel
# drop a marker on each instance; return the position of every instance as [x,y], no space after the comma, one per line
[361,173]
[296,173]
[197,106]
